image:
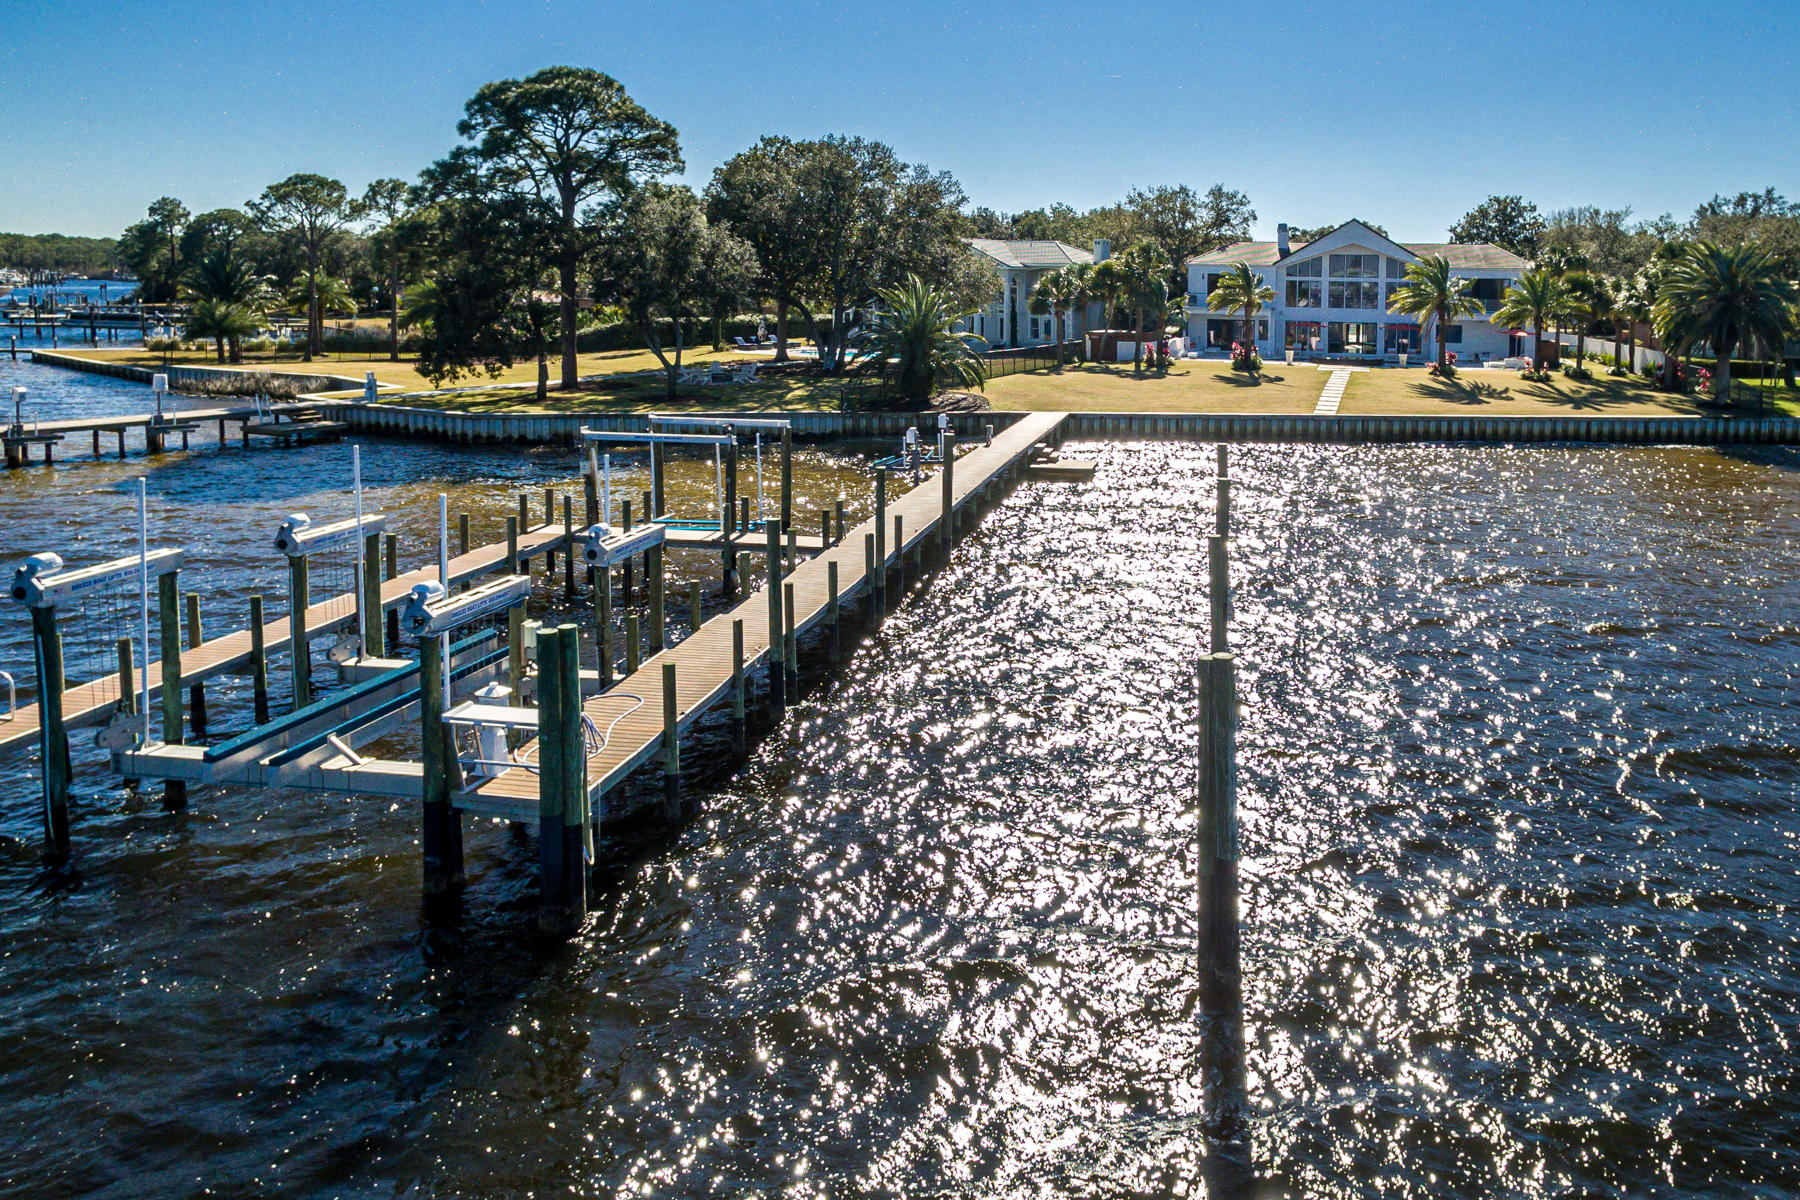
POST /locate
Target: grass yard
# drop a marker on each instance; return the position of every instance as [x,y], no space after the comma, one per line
[1187,386]
[1494,393]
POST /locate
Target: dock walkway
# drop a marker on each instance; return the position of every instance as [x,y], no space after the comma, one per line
[703,661]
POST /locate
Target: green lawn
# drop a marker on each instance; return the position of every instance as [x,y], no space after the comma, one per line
[1190,386]
[1484,392]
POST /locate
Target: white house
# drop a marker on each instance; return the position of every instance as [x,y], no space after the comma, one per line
[1331,297]
[1018,263]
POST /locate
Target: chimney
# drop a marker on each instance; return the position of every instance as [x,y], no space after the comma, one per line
[1281,241]
[1102,249]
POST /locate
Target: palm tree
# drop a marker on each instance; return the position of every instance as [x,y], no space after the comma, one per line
[913,344]
[328,294]
[1081,295]
[1725,296]
[1110,285]
[1588,302]
[1052,295]
[1538,299]
[1142,277]
[226,276]
[221,321]
[1434,297]
[1634,299]
[1242,290]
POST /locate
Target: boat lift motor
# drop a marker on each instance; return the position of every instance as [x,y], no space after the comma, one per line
[40,580]
[601,547]
[430,613]
[298,535]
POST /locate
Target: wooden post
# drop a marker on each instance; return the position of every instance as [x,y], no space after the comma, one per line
[787,479]
[694,609]
[831,589]
[727,511]
[128,695]
[568,547]
[1221,979]
[869,573]
[947,516]
[552,779]
[744,514]
[574,790]
[370,601]
[1222,509]
[880,540]
[738,706]
[824,529]
[259,661]
[625,526]
[524,513]
[793,551]
[1219,591]
[634,644]
[299,596]
[512,545]
[196,691]
[671,744]
[53,736]
[777,686]
[790,650]
[840,523]
[603,637]
[515,654]
[653,504]
[393,614]
[659,617]
[549,506]
[440,825]
[899,555]
[169,619]
[462,533]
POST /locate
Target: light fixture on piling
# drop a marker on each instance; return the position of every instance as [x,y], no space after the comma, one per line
[159,383]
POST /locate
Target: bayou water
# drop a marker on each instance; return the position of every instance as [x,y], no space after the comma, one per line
[1516,779]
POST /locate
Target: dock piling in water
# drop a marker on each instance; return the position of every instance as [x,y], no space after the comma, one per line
[1221,978]
[167,588]
[196,691]
[259,662]
[738,699]
[299,596]
[777,672]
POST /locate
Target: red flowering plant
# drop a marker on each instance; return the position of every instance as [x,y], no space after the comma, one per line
[1245,358]
[1449,367]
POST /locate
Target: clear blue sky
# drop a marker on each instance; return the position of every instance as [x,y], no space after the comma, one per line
[1402,114]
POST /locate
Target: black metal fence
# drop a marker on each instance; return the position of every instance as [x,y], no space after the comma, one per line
[1028,358]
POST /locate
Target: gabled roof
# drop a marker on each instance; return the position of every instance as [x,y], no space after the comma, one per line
[1030,252]
[1467,256]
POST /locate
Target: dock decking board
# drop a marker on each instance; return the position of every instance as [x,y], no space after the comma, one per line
[703,660]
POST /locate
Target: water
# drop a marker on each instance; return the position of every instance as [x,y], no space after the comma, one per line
[78,291]
[1518,860]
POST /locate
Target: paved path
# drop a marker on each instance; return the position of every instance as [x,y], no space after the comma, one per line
[1333,394]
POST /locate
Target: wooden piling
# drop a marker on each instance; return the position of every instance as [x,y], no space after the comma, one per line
[259,662]
[512,545]
[196,691]
[825,528]
[440,825]
[603,635]
[899,555]
[787,479]
[53,735]
[552,780]
[694,609]
[1219,592]
[727,511]
[549,506]
[659,616]
[169,620]
[869,594]
[393,614]
[744,514]
[739,704]
[370,601]
[653,499]
[839,509]
[831,608]
[462,533]
[1222,506]
[515,653]
[568,547]
[1221,978]
[590,494]
[793,551]
[880,541]
[128,695]
[524,513]
[299,596]
[574,789]
[634,643]
[671,744]
[777,672]
[947,514]
[790,647]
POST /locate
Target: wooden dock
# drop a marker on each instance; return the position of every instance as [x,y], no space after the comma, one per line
[175,422]
[93,702]
[703,661]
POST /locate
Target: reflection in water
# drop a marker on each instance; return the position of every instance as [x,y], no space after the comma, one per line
[1517,888]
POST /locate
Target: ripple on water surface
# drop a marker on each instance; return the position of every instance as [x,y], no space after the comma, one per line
[1516,763]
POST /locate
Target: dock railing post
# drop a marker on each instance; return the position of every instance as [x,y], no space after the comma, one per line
[671,746]
[128,695]
[515,654]
[524,513]
[53,736]
[838,511]
[440,824]
[196,690]
[899,555]
[552,780]
[1221,981]
[574,765]
[259,662]
[169,621]
[947,517]
[777,670]
[512,545]
[653,503]
[738,705]
[634,644]
[299,596]
[568,547]
[695,616]
[824,529]
[728,512]
[462,533]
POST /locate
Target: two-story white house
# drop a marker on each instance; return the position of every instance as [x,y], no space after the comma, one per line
[1018,264]
[1332,294]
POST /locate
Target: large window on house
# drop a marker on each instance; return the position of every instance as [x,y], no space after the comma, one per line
[1306,336]
[1400,339]
[1212,281]
[1396,269]
[1489,291]
[1306,269]
[1453,335]
[1352,337]
[1356,266]
[1305,293]
[1351,294]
